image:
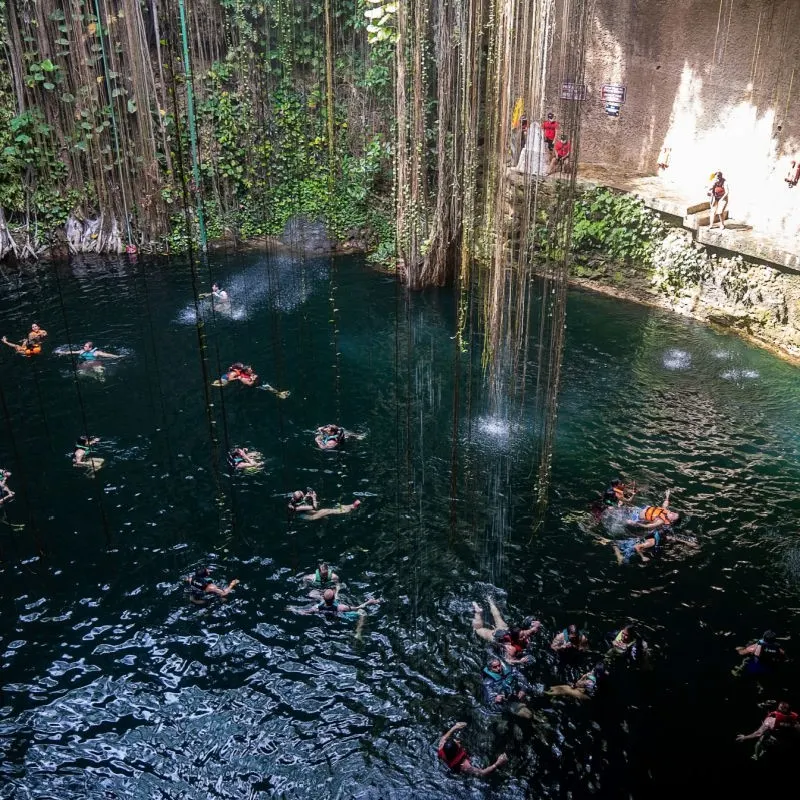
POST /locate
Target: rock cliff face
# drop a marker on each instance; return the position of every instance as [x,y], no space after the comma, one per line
[715,82]
[757,301]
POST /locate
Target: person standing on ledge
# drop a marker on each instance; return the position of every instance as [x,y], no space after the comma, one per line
[549,128]
[718,193]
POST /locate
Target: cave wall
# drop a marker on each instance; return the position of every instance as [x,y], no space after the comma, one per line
[717,81]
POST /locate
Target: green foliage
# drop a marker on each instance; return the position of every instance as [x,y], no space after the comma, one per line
[678,264]
[615,227]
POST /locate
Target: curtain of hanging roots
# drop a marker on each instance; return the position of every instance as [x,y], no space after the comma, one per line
[479,57]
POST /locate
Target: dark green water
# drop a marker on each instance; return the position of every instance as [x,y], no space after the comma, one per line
[115,686]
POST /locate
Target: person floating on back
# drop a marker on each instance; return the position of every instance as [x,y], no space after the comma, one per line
[306,503]
[452,752]
[244,460]
[510,642]
[31,345]
[246,375]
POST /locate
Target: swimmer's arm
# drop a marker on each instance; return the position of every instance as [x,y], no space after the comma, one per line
[468,769]
[371,602]
[457,727]
[647,526]
[558,643]
[302,508]
[106,355]
[665,502]
[512,659]
[749,650]
[756,734]
[212,589]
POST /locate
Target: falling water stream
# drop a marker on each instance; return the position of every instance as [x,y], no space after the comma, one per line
[113,685]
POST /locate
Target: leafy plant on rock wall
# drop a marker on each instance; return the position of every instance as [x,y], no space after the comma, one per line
[610,226]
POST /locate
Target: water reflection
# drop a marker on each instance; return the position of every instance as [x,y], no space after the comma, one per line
[113,685]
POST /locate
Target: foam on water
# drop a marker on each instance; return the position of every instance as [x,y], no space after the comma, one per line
[677,359]
[739,374]
[282,283]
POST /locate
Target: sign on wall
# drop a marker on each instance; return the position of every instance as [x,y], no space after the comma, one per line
[573,91]
[613,96]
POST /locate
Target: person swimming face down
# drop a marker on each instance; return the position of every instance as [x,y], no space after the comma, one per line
[329,597]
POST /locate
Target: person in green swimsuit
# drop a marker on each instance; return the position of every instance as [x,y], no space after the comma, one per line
[320,580]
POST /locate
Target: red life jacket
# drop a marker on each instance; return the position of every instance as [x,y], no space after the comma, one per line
[455,762]
[783,720]
[549,127]
[718,190]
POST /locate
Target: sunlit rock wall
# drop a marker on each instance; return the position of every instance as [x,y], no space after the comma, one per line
[717,81]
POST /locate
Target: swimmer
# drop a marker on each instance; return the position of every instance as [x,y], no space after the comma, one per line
[504,689]
[201,586]
[36,334]
[779,727]
[330,607]
[624,549]
[618,494]
[584,688]
[5,493]
[511,642]
[246,376]
[220,295]
[451,751]
[26,348]
[83,449]
[329,437]
[651,518]
[762,656]
[306,503]
[323,578]
[570,639]
[628,644]
[243,459]
[88,353]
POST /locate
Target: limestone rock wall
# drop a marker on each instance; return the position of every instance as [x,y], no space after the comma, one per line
[716,81]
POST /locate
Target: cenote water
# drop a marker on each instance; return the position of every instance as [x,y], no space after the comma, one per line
[115,686]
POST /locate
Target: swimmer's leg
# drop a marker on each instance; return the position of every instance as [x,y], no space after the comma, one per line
[645,545]
[362,618]
[478,625]
[566,691]
[326,512]
[499,622]
[618,554]
[281,394]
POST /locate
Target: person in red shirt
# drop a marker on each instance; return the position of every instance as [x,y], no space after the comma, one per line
[549,128]
[452,752]
[776,727]
[561,153]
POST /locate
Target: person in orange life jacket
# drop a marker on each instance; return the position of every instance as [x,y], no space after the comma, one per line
[776,728]
[718,193]
[510,641]
[452,752]
[651,518]
[570,639]
[561,153]
[201,586]
[762,656]
[549,128]
[617,493]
